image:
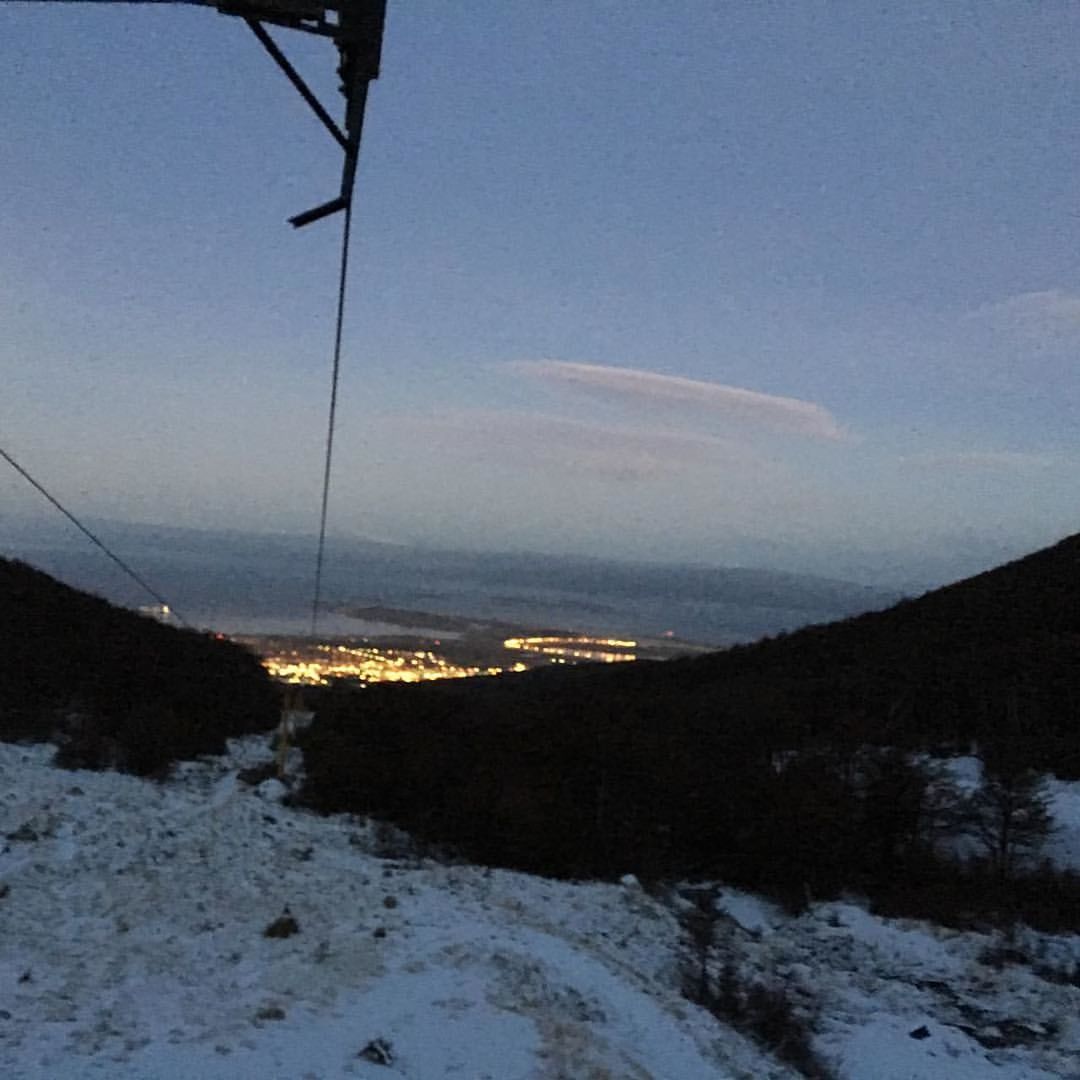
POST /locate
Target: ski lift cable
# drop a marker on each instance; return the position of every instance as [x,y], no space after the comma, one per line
[137,578]
[331,418]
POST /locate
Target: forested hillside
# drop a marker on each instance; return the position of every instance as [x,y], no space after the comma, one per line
[116,688]
[991,657]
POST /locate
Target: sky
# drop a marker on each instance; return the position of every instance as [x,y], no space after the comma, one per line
[725,283]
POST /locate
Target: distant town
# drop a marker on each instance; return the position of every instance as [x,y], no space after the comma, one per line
[438,646]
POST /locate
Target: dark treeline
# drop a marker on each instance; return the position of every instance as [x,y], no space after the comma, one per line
[115,688]
[990,657]
[801,765]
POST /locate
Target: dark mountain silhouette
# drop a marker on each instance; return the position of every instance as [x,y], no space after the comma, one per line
[114,687]
[991,657]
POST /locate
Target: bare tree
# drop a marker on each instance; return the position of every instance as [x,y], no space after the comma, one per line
[1008,814]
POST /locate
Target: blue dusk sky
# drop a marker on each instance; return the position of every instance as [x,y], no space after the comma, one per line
[681,280]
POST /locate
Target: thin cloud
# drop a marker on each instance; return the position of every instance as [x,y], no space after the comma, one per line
[781,414]
[531,440]
[1050,311]
[1000,461]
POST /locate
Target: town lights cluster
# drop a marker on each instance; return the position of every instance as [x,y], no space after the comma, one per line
[561,649]
[367,660]
[320,665]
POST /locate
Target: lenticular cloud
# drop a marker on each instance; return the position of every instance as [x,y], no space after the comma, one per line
[790,415]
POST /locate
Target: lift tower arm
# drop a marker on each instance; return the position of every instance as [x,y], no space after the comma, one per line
[356,29]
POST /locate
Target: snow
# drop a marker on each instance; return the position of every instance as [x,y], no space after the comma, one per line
[133,948]
[1063,846]
[750,912]
[873,982]
[884,1049]
[906,947]
[907,977]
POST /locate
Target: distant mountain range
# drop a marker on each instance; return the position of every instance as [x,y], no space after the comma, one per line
[252,582]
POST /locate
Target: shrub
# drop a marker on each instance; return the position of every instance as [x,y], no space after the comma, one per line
[763,1011]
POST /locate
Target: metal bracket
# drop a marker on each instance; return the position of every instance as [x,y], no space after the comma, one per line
[356,28]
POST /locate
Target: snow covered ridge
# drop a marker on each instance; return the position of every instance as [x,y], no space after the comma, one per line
[133,946]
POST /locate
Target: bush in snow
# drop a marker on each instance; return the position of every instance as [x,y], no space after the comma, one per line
[763,1011]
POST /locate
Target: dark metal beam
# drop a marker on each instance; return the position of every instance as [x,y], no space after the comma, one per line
[319,212]
[297,80]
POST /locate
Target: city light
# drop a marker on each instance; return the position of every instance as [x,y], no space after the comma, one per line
[303,661]
[560,649]
[318,665]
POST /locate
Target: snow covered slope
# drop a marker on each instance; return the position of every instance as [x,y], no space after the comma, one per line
[132,945]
